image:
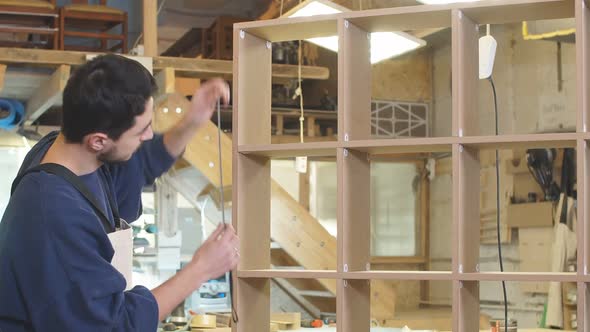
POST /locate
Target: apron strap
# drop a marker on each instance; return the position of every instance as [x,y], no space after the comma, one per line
[75,181]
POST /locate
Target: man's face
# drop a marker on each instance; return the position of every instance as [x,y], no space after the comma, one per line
[123,148]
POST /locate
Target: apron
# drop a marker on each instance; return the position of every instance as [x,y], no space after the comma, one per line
[121,236]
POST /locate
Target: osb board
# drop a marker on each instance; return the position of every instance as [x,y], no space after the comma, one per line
[407,78]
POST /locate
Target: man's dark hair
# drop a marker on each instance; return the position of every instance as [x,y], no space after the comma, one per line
[105,95]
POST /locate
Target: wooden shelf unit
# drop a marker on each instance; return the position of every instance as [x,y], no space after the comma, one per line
[252,150]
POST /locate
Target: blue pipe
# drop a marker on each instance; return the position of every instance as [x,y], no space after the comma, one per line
[16,113]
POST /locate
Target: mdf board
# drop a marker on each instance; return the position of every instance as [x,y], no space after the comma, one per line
[252,150]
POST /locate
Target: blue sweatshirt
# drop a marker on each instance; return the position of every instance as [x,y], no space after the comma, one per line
[55,271]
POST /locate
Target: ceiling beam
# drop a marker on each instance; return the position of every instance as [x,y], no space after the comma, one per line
[204,68]
[47,95]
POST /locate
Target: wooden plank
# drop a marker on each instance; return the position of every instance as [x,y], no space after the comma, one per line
[465,75]
[289,274]
[286,29]
[150,27]
[315,149]
[304,189]
[41,57]
[47,94]
[400,275]
[402,145]
[166,81]
[354,83]
[311,132]
[583,65]
[285,139]
[398,260]
[205,68]
[292,319]
[529,141]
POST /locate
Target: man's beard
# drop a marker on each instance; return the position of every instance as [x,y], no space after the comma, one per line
[110,157]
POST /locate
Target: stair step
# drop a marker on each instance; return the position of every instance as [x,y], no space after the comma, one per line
[315,293]
[275,245]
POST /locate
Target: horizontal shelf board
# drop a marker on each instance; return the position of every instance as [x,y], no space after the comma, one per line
[410,18]
[290,274]
[501,12]
[286,29]
[399,275]
[403,145]
[560,140]
[402,18]
[313,149]
[440,16]
[520,276]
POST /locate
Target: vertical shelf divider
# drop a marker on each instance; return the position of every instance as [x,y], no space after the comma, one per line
[466,170]
[251,174]
[354,180]
[583,156]
[582,164]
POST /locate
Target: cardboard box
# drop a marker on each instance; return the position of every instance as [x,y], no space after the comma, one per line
[524,215]
[534,247]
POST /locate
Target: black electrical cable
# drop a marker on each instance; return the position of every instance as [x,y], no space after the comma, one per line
[498,209]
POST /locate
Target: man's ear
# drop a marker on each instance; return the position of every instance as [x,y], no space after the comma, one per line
[97,141]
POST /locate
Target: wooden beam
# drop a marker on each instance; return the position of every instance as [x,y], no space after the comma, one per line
[205,68]
[2,76]
[166,81]
[184,67]
[304,190]
[47,94]
[41,57]
[150,27]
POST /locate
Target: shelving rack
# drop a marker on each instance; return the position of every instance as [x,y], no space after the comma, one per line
[252,152]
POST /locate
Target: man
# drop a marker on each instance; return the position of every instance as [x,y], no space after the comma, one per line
[56,244]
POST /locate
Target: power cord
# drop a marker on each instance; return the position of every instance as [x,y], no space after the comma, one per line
[498,208]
